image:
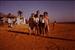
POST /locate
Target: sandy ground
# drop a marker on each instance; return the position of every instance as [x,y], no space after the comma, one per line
[61,38]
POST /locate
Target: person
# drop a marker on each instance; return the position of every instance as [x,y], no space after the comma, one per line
[10,22]
[36,22]
[41,24]
[18,21]
[31,23]
[54,24]
[46,18]
[37,13]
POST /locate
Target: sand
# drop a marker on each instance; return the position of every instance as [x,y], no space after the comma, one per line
[61,38]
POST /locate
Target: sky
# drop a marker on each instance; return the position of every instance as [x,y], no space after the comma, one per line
[61,11]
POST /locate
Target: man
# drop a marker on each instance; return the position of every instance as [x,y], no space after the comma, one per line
[41,24]
[46,22]
[31,23]
[10,22]
[54,24]
[36,22]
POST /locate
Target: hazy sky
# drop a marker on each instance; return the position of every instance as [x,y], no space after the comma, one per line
[57,10]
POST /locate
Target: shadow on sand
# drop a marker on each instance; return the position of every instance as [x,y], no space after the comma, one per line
[42,36]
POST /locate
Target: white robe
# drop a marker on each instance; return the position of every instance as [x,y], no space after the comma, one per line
[9,20]
[18,21]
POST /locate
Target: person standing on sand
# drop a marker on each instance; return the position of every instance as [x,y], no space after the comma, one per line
[46,18]
[41,24]
[31,23]
[54,24]
[10,22]
[36,22]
